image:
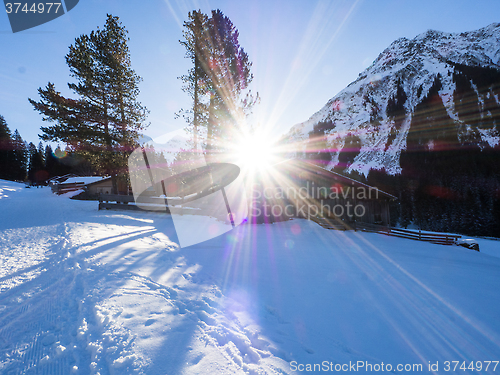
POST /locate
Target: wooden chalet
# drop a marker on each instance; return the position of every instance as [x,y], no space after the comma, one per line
[68,183]
[296,188]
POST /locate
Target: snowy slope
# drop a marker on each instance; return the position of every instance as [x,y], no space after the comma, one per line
[7,188]
[360,108]
[84,291]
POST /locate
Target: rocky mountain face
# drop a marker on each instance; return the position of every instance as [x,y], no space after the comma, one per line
[422,123]
[438,91]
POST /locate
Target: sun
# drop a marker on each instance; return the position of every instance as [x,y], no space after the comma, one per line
[254,151]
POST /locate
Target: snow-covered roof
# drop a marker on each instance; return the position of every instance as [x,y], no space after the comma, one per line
[325,172]
[85,180]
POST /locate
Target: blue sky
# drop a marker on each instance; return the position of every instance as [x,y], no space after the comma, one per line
[303,51]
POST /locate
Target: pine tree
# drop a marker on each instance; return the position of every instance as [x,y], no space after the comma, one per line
[6,151]
[31,165]
[35,172]
[12,154]
[219,78]
[50,162]
[395,104]
[351,149]
[194,81]
[318,147]
[104,122]
[63,162]
[41,151]
[20,157]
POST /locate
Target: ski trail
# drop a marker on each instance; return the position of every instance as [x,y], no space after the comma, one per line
[38,298]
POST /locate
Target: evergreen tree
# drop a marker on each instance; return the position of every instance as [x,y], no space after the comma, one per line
[41,151]
[395,104]
[20,157]
[12,154]
[351,149]
[6,151]
[35,171]
[219,78]
[50,162]
[318,148]
[104,122]
[63,163]
[32,151]
[194,80]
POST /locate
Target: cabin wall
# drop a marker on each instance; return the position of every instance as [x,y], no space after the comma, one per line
[104,187]
[271,202]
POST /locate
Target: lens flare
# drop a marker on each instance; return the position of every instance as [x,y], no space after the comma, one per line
[60,154]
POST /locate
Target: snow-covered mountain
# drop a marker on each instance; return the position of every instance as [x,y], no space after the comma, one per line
[170,144]
[431,90]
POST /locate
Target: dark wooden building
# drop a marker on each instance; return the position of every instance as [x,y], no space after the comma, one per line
[296,188]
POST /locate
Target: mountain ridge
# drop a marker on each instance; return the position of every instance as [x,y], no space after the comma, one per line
[367,122]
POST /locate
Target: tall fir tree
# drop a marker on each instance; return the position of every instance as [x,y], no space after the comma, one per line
[36,169]
[12,154]
[194,80]
[20,157]
[104,122]
[41,151]
[50,161]
[219,78]
[6,151]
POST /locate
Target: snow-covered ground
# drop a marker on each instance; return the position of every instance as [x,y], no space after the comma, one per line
[84,291]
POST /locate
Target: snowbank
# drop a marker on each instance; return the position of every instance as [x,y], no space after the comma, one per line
[7,188]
